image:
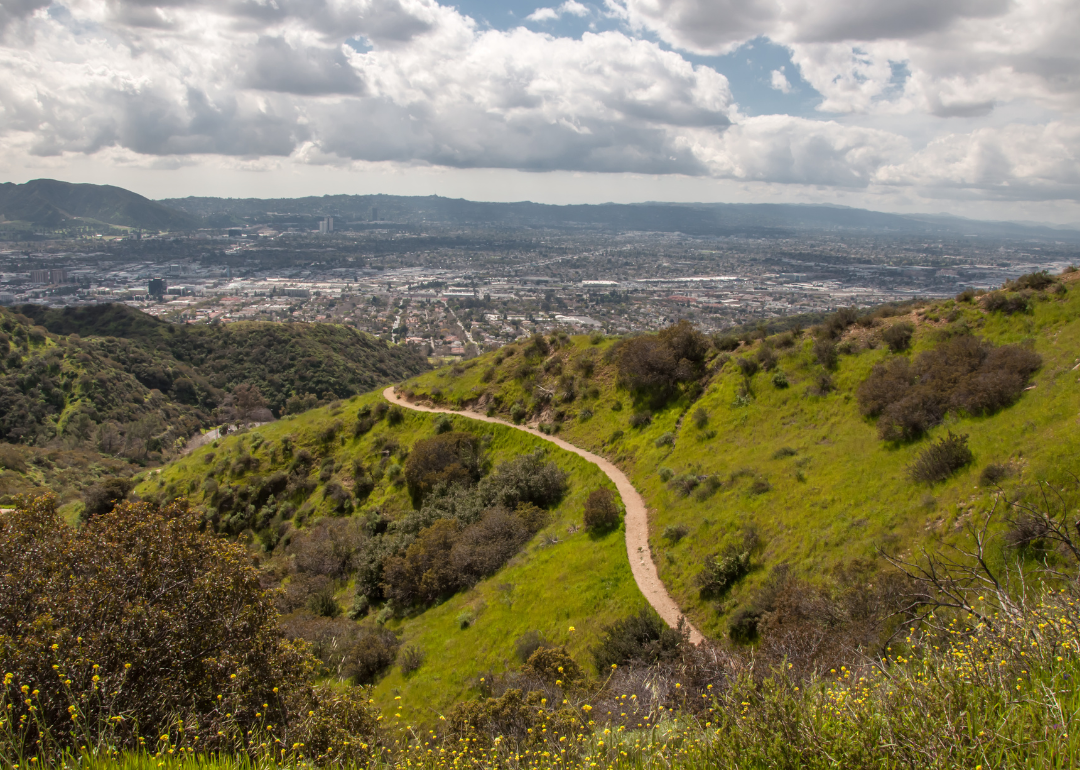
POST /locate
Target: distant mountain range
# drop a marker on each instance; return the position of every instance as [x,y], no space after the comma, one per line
[49,203]
[52,204]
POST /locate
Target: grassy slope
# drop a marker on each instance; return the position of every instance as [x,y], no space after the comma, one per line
[855,496]
[580,581]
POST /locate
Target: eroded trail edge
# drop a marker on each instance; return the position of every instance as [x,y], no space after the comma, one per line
[637,514]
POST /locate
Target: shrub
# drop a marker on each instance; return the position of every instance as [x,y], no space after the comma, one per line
[964,373]
[725,342]
[360,606]
[371,654]
[759,487]
[684,484]
[618,434]
[743,625]
[721,571]
[601,510]
[767,357]
[640,419]
[395,415]
[585,414]
[665,474]
[660,362]
[323,604]
[424,573]
[449,458]
[675,533]
[518,412]
[553,664]
[132,602]
[410,659]
[941,459]
[701,418]
[1034,281]
[839,321]
[528,643]
[898,336]
[993,474]
[642,638]
[1005,302]
[525,479]
[665,439]
[825,352]
[747,366]
[783,452]
[779,379]
[106,495]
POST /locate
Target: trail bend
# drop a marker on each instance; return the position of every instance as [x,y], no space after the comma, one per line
[637,514]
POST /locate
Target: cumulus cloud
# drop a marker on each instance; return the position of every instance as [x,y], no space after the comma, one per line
[779,82]
[417,82]
[571,7]
[956,51]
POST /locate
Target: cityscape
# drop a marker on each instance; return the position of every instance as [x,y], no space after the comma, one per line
[457,291]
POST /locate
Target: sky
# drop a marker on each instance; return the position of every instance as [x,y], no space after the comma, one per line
[968,107]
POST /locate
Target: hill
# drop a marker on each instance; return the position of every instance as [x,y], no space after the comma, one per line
[760,457]
[745,219]
[113,380]
[326,496]
[51,203]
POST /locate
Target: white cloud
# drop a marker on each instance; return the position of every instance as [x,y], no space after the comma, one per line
[571,7]
[543,14]
[779,81]
[286,83]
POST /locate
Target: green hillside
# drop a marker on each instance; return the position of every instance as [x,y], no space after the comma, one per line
[783,467]
[115,382]
[292,487]
[51,203]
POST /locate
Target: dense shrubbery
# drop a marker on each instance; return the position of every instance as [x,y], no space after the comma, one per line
[661,362]
[964,373]
[898,336]
[448,458]
[133,385]
[642,639]
[140,615]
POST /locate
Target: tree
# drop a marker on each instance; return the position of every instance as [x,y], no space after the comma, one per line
[601,510]
[449,458]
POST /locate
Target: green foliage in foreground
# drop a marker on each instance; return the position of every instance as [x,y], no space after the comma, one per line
[994,694]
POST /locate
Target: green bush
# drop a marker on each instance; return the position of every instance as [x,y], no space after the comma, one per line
[779,379]
[132,602]
[449,458]
[721,571]
[640,419]
[941,459]
[898,336]
[601,510]
[825,352]
[665,439]
[642,639]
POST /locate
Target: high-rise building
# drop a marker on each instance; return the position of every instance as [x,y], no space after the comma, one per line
[326,225]
[39,276]
[58,276]
[157,287]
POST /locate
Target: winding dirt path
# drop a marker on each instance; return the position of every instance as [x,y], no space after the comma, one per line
[637,515]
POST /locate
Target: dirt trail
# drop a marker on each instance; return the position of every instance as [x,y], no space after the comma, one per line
[637,515]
